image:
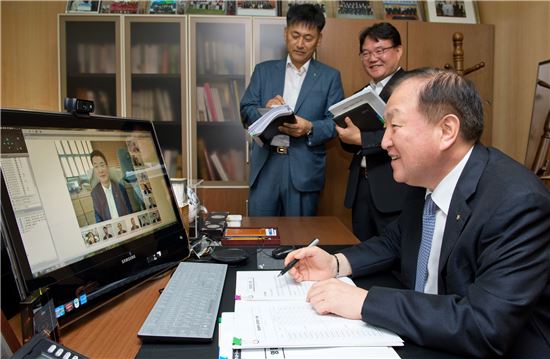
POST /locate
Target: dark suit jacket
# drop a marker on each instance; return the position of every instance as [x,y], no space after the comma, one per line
[494,291]
[387,195]
[321,88]
[101,208]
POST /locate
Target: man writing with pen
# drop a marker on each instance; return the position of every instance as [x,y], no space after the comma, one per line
[472,241]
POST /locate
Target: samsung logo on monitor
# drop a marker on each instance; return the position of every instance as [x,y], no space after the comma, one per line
[127,259]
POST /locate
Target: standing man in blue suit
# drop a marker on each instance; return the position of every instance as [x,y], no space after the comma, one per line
[472,241]
[287,175]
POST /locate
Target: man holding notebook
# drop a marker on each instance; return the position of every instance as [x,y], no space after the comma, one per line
[372,194]
[287,174]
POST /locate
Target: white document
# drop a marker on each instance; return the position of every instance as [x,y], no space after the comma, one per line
[288,324]
[266,285]
[226,330]
[365,95]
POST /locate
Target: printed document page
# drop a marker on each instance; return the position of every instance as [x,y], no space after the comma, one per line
[226,331]
[266,285]
[287,324]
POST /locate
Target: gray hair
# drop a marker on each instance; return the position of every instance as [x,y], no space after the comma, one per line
[445,92]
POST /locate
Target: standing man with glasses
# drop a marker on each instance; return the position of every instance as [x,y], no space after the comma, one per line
[472,241]
[287,175]
[372,193]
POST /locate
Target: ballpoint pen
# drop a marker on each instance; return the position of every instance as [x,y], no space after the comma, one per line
[294,261]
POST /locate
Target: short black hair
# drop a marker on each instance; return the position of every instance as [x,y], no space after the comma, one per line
[380,31]
[97,153]
[309,14]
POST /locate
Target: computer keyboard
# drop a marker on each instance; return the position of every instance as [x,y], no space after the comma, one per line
[187,309]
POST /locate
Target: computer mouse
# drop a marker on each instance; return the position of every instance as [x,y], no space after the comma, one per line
[281,252]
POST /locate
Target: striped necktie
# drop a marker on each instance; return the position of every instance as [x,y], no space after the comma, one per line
[428,225]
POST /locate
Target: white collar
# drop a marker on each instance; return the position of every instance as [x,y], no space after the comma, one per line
[443,193]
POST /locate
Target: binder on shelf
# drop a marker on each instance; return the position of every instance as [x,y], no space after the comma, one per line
[365,109]
[251,236]
[267,126]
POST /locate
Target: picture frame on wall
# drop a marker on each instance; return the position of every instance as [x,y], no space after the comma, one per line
[82,6]
[355,9]
[402,10]
[257,8]
[464,12]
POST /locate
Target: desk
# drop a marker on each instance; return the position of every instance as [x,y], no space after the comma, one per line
[111,331]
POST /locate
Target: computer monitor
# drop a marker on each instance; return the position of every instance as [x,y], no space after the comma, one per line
[87,207]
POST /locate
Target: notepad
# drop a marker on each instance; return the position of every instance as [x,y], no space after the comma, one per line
[272,312]
[226,340]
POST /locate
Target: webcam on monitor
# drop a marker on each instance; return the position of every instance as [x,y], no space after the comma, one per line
[79,106]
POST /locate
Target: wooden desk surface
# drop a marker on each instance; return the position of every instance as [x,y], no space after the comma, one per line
[111,331]
[301,230]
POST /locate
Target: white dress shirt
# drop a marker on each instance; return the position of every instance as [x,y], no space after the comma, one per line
[110,201]
[294,79]
[441,196]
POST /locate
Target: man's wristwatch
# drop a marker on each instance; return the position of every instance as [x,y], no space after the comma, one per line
[310,130]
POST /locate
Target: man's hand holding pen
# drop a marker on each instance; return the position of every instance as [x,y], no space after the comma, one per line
[328,295]
[302,126]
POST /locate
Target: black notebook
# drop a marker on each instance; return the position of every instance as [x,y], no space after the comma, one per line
[267,126]
[365,109]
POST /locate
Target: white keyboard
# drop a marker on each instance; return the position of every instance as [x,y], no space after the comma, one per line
[187,309]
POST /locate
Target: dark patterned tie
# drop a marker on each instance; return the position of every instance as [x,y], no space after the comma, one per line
[428,225]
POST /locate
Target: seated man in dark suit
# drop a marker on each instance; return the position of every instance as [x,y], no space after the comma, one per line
[472,240]
[109,197]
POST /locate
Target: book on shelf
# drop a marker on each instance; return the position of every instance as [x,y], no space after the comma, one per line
[365,109]
[222,174]
[202,112]
[267,126]
[251,236]
[212,114]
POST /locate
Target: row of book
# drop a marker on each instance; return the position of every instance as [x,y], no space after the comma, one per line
[152,104]
[218,102]
[155,58]
[220,57]
[173,161]
[95,58]
[215,165]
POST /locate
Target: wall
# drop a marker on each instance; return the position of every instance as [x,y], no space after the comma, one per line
[522,40]
[29,74]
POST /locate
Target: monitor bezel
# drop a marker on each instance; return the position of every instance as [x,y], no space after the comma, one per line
[150,253]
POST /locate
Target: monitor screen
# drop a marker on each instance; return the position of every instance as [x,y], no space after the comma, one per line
[87,206]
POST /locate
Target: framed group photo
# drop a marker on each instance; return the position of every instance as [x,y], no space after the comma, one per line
[402,10]
[83,6]
[464,12]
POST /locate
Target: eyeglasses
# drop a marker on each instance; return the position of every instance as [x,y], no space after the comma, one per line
[365,54]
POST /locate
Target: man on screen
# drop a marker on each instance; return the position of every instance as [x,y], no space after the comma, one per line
[109,197]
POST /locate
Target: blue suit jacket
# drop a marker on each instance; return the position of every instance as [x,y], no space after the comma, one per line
[494,290]
[321,88]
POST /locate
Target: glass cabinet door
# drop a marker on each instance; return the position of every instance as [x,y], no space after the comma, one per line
[220,69]
[269,39]
[155,80]
[89,61]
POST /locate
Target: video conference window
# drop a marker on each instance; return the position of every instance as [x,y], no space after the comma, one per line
[92,191]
